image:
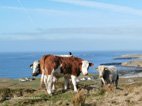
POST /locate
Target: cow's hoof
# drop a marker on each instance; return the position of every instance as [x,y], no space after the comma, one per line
[75,91]
[53,91]
[50,94]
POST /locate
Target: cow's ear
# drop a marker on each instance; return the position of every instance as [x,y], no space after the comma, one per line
[91,64]
[31,65]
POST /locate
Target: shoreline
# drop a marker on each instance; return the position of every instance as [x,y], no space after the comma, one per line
[136,75]
[122,74]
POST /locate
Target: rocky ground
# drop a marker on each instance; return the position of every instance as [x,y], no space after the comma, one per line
[136,60]
[134,63]
[16,93]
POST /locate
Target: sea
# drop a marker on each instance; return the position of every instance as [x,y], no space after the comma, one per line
[17,65]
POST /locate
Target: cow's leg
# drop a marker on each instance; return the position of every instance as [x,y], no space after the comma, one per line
[116,81]
[45,81]
[53,83]
[66,83]
[42,81]
[102,84]
[73,78]
[49,84]
[111,79]
[102,79]
[53,87]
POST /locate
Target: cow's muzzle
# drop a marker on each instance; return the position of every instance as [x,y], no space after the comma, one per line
[35,74]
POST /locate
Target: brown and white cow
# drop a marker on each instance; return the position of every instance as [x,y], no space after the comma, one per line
[66,65]
[108,74]
[38,69]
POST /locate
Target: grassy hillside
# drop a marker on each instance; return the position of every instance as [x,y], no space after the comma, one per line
[15,93]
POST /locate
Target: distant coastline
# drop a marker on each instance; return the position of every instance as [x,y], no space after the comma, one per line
[135,60]
[129,56]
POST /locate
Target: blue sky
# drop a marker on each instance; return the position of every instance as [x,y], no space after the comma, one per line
[70,25]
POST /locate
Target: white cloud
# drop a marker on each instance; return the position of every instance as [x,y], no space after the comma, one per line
[100,5]
[55,34]
[36,10]
[31,37]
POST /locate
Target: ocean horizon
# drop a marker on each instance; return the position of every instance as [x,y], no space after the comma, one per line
[16,64]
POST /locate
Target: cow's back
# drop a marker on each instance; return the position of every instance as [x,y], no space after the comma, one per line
[71,65]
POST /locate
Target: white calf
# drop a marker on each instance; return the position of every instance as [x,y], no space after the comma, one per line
[108,75]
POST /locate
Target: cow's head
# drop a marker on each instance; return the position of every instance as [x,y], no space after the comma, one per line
[101,70]
[85,67]
[36,68]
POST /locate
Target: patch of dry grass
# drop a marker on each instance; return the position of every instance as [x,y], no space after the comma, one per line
[79,98]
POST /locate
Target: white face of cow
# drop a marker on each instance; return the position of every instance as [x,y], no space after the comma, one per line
[101,70]
[85,66]
[36,68]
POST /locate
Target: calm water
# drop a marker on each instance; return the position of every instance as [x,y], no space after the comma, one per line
[16,65]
